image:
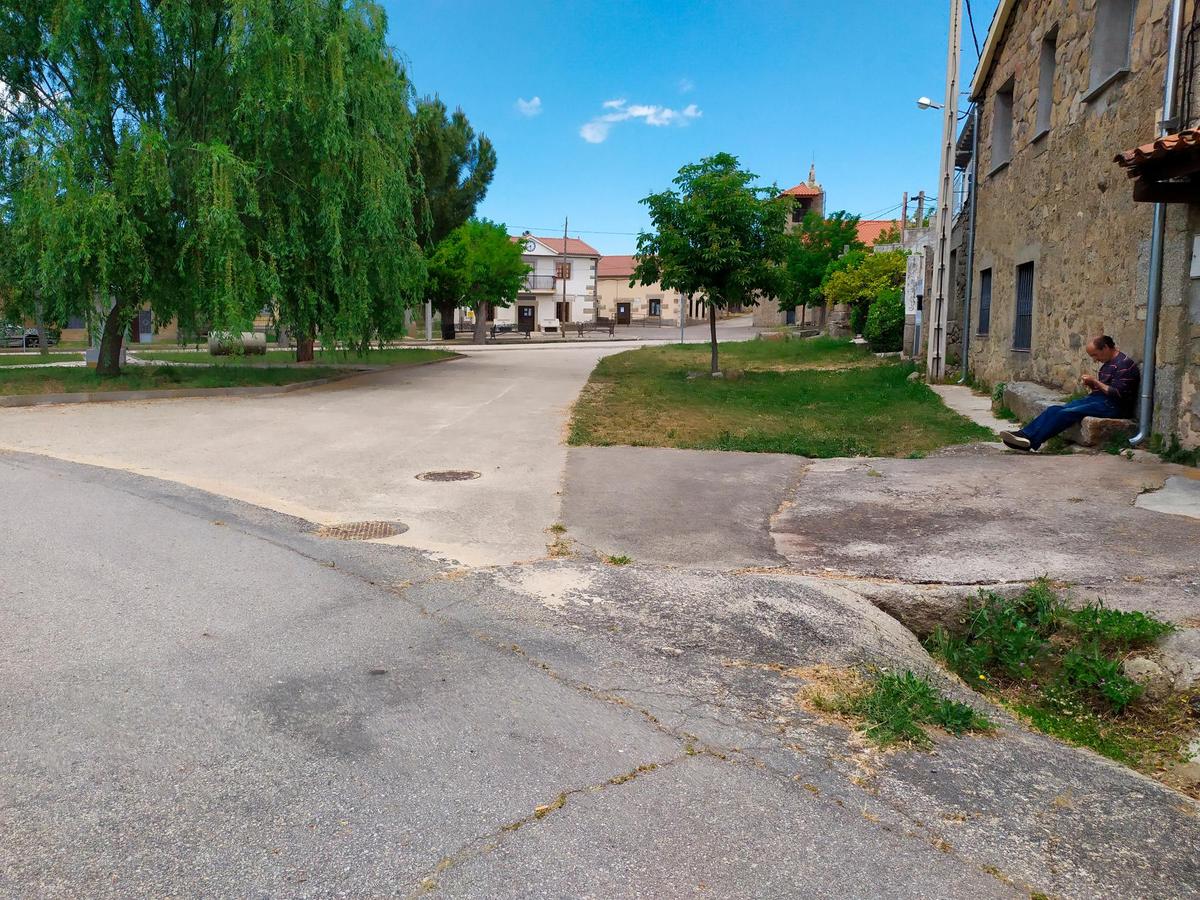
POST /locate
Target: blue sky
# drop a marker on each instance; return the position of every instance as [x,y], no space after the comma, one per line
[778,84]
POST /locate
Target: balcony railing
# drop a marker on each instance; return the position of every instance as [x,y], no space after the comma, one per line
[537,283]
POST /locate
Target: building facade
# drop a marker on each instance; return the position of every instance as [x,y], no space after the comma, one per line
[1062,247]
[649,303]
[559,289]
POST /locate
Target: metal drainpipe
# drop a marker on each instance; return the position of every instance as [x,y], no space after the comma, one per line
[966,316]
[1157,233]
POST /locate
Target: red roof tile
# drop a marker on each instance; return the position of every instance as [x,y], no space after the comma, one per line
[802,190]
[575,247]
[869,230]
[615,266]
[1133,160]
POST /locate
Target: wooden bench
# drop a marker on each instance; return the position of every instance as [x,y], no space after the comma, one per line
[601,324]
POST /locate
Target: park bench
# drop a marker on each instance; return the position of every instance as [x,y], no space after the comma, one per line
[1028,399]
[500,328]
[601,324]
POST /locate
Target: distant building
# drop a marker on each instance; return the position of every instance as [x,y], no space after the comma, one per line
[559,289]
[617,300]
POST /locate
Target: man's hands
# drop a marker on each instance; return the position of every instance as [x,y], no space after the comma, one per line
[1094,384]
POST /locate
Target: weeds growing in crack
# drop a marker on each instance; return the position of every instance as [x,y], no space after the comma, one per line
[1061,670]
[892,708]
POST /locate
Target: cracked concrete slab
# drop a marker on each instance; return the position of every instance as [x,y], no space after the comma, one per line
[677,507]
[707,828]
[210,700]
[982,516]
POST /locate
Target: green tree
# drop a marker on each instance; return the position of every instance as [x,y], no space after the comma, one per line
[456,167]
[716,235]
[115,178]
[863,279]
[477,266]
[889,235]
[810,249]
[884,330]
[205,158]
[324,114]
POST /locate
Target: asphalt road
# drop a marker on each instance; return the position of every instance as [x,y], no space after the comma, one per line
[199,697]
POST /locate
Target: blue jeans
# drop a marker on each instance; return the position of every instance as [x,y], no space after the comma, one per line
[1057,419]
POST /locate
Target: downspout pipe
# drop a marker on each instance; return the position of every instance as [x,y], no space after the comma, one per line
[1158,229]
[966,313]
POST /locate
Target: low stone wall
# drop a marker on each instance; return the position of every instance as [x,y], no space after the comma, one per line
[1028,400]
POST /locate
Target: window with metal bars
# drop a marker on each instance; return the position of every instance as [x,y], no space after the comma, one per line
[985,301]
[1023,321]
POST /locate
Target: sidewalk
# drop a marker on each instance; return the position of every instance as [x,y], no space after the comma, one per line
[966,402]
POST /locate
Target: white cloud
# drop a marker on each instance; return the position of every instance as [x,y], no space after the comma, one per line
[686,85]
[529,108]
[597,130]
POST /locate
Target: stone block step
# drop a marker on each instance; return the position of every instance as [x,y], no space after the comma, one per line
[1028,399]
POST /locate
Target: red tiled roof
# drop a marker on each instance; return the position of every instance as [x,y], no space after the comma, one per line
[615,266]
[575,247]
[869,230]
[802,190]
[1133,160]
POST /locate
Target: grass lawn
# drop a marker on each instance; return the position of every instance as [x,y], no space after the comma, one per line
[63,380]
[817,397]
[32,359]
[393,356]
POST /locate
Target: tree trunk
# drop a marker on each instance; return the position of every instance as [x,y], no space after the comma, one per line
[712,330]
[304,348]
[43,341]
[108,361]
[446,311]
[481,323]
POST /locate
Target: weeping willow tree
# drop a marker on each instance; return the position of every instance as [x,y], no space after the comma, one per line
[204,159]
[119,191]
[325,111]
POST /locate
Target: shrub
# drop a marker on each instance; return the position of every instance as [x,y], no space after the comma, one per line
[885,321]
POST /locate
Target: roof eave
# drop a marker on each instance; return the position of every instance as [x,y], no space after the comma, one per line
[990,47]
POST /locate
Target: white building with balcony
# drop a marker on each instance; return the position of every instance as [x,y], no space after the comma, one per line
[560,288]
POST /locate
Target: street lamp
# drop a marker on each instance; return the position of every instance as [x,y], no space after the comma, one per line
[926,103]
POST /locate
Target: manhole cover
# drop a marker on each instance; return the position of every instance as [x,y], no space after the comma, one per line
[361,531]
[448,475]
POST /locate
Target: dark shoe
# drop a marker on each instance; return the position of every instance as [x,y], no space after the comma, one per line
[1016,440]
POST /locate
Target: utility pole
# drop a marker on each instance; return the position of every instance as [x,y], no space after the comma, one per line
[564,271]
[935,362]
[904,219]
[920,223]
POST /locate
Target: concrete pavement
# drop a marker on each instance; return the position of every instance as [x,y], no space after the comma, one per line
[351,451]
[200,697]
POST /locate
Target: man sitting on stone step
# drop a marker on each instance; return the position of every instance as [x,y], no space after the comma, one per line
[1113,396]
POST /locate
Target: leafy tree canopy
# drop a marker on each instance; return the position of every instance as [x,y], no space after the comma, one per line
[810,249]
[860,277]
[716,234]
[206,158]
[477,266]
[456,166]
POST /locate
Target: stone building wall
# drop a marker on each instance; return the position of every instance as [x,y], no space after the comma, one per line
[1062,203]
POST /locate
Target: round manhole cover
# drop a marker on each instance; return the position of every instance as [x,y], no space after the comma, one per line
[448,475]
[361,531]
